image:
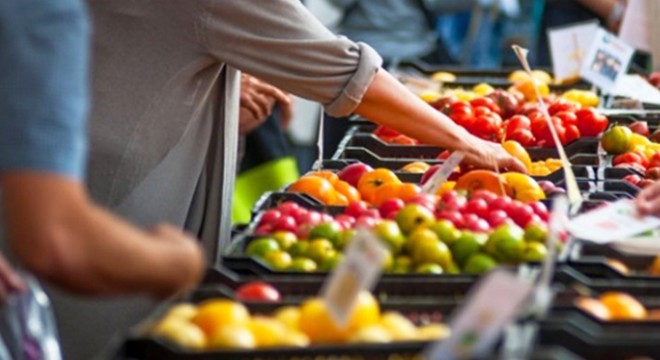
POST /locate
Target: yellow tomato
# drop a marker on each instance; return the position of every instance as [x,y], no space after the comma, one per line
[289,316]
[180,332]
[443,76]
[214,314]
[429,96]
[483,89]
[583,97]
[516,150]
[267,332]
[523,187]
[417,167]
[446,187]
[638,140]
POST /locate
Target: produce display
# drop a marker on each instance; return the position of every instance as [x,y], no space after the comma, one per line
[224,324]
[439,242]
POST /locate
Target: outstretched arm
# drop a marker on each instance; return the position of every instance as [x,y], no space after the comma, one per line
[58,234]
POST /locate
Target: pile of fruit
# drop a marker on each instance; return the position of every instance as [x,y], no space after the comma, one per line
[632,147]
[222,324]
[451,233]
[615,306]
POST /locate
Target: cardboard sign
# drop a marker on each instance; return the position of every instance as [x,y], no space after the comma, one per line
[607,61]
[359,271]
[432,185]
[616,221]
[489,308]
[635,27]
[569,46]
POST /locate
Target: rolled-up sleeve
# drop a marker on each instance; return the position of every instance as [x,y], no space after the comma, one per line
[43,86]
[281,42]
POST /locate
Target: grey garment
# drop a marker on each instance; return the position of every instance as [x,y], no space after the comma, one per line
[164,122]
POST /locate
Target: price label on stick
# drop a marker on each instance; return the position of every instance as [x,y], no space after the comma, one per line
[572,188]
[434,183]
[489,308]
[616,221]
[361,268]
[607,61]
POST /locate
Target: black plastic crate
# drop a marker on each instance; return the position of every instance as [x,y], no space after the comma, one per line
[138,347]
[592,260]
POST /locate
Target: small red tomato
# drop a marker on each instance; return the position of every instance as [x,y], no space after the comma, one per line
[572,133]
[633,179]
[461,112]
[567,118]
[524,137]
[517,122]
[654,161]
[628,157]
[486,102]
[590,122]
[640,127]
[560,106]
[258,291]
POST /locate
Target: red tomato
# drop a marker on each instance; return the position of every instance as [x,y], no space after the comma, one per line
[488,127]
[385,132]
[629,157]
[572,133]
[524,137]
[481,110]
[567,118]
[654,161]
[590,122]
[403,140]
[258,291]
[461,112]
[518,122]
[633,179]
[486,102]
[560,106]
[543,134]
[535,115]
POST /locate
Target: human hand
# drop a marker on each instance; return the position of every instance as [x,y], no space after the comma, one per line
[257,100]
[648,200]
[10,282]
[486,154]
[190,259]
[286,113]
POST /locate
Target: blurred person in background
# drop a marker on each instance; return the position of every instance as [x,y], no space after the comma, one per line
[564,12]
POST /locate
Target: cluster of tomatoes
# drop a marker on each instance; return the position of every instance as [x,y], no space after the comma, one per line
[483,118]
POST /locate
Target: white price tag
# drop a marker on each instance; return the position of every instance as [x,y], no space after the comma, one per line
[489,308]
[432,185]
[616,221]
[568,47]
[637,88]
[360,270]
[607,61]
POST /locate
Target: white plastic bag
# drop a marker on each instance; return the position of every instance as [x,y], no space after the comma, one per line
[30,332]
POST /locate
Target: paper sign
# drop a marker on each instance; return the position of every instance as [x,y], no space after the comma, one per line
[635,27]
[616,221]
[434,183]
[637,88]
[607,61]
[359,271]
[489,308]
[569,46]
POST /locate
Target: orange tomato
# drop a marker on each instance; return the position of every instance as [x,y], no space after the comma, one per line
[214,314]
[482,180]
[374,179]
[349,192]
[594,307]
[416,167]
[385,192]
[623,306]
[340,200]
[408,191]
[526,88]
[315,186]
[328,175]
[518,151]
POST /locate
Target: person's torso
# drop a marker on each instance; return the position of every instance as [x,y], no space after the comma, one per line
[395,28]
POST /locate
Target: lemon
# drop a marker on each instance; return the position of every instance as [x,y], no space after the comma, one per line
[267,332]
[372,334]
[180,332]
[433,332]
[399,327]
[289,316]
[233,337]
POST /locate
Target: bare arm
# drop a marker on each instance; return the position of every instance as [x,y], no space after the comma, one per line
[611,11]
[59,235]
[389,103]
